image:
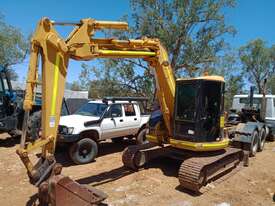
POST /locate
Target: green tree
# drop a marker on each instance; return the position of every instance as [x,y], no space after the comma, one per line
[233,86]
[85,76]
[258,61]
[192,32]
[271,84]
[271,80]
[75,86]
[114,78]
[13,47]
[228,67]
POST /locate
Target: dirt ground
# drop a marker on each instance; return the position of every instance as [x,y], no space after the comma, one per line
[157,184]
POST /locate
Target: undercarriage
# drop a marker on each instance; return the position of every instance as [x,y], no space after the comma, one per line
[197,168]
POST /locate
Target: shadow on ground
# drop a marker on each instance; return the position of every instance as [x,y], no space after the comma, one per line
[104,148]
[105,177]
[9,141]
[168,166]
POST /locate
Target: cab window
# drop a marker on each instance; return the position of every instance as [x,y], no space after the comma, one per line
[129,110]
[114,111]
[2,89]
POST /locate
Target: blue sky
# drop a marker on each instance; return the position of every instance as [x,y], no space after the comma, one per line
[251,18]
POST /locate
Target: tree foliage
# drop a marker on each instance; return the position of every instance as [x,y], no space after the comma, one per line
[114,79]
[13,46]
[258,61]
[75,86]
[271,84]
[192,32]
[228,67]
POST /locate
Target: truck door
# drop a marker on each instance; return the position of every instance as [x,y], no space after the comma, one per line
[132,117]
[113,123]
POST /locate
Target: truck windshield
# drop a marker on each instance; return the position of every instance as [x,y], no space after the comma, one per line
[92,109]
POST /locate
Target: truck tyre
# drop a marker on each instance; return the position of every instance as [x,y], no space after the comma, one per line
[262,138]
[83,151]
[34,126]
[141,137]
[254,143]
[271,137]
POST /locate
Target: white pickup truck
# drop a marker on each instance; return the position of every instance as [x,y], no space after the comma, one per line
[111,118]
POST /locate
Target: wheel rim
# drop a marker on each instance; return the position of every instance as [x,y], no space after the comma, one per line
[255,146]
[139,159]
[85,152]
[262,140]
[144,139]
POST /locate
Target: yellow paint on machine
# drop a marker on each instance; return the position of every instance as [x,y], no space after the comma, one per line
[126,53]
[222,122]
[55,84]
[201,146]
[193,146]
[152,138]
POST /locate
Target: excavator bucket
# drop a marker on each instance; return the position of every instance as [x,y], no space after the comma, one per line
[61,190]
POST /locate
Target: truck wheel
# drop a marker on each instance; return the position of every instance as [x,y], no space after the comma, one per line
[141,137]
[117,139]
[34,126]
[271,137]
[254,144]
[262,138]
[83,151]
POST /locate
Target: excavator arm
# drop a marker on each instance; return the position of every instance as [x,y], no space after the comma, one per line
[54,53]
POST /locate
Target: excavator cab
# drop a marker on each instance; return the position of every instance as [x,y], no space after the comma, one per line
[198,115]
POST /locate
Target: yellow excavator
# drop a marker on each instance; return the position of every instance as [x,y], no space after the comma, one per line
[190,127]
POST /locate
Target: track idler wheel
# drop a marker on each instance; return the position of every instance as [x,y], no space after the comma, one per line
[132,158]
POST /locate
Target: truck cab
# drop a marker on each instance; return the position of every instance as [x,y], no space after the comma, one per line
[8,118]
[241,101]
[99,120]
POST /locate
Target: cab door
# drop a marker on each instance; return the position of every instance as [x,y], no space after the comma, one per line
[113,123]
[132,117]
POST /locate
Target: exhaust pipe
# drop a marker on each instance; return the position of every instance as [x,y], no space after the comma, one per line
[263,102]
[251,97]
